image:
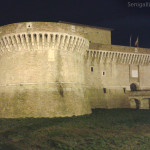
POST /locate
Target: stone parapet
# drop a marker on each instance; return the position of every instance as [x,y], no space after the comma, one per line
[120,57]
[119,48]
[41,41]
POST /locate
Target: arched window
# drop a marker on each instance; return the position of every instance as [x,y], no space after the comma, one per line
[133,87]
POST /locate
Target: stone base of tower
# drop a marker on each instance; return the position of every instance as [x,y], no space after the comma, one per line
[45,100]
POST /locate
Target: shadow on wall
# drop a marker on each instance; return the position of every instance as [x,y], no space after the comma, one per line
[61,92]
[137,102]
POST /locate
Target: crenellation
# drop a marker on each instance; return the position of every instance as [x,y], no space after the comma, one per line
[42,41]
[5,43]
[15,41]
[121,57]
[113,56]
[30,41]
[37,41]
[81,44]
[127,58]
[27,42]
[23,42]
[3,48]
[61,44]
[141,60]
[10,43]
[131,57]
[76,43]
[18,42]
[138,59]
[145,62]
[135,61]
[34,41]
[132,60]
[135,57]
[71,43]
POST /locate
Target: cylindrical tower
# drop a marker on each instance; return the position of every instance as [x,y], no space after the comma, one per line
[41,71]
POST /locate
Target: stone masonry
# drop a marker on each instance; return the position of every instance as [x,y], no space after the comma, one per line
[63,69]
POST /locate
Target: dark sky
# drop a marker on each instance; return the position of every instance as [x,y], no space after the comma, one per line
[116,14]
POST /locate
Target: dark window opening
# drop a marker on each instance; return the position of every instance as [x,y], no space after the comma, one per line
[92,69]
[103,73]
[133,87]
[29,25]
[124,90]
[104,89]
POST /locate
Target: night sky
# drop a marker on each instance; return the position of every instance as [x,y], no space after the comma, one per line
[117,14]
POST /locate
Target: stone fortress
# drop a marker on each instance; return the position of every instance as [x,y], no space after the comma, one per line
[62,69]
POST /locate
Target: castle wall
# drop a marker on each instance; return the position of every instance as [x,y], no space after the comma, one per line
[114,70]
[111,76]
[49,70]
[42,74]
[35,87]
[93,34]
[97,35]
[144,77]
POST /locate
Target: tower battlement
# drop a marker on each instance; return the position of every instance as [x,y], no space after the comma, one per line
[41,41]
[38,39]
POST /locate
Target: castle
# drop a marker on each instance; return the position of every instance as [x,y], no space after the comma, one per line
[62,69]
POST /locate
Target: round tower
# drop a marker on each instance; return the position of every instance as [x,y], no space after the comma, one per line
[42,70]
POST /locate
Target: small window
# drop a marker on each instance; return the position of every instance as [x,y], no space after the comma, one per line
[73,28]
[92,69]
[104,89]
[124,90]
[103,73]
[29,25]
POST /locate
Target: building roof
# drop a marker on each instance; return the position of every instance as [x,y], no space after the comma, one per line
[77,24]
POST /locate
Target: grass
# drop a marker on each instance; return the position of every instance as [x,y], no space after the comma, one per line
[114,129]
